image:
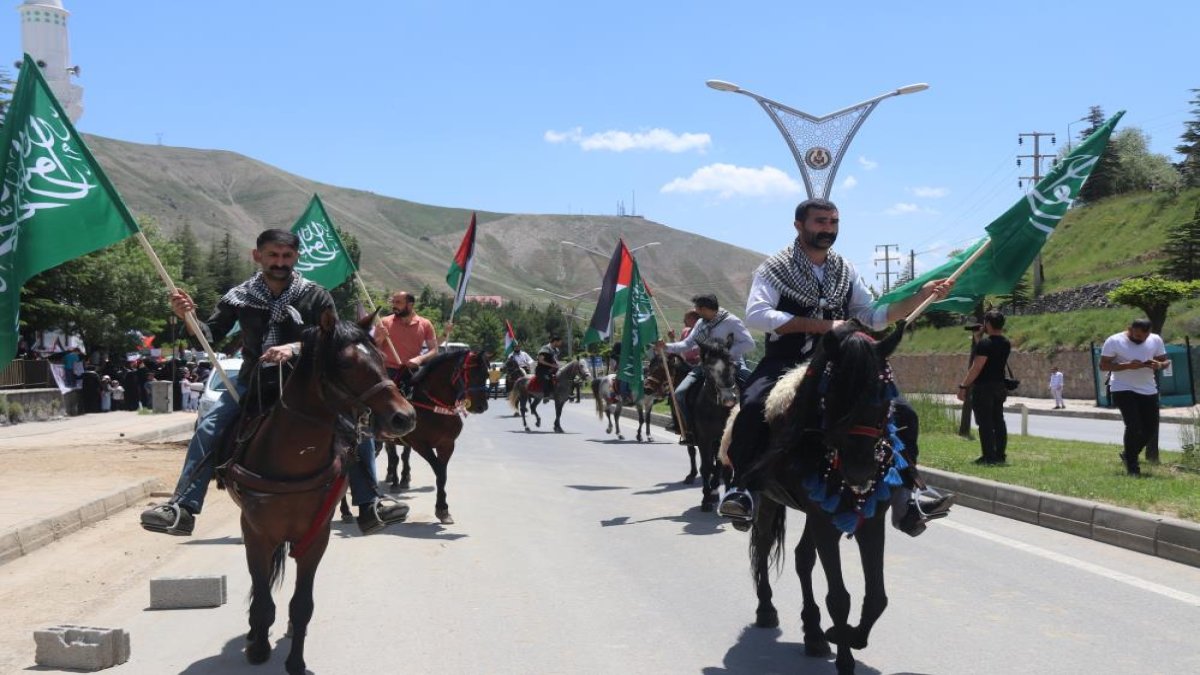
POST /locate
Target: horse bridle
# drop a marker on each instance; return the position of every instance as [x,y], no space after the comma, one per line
[460,381]
[881,434]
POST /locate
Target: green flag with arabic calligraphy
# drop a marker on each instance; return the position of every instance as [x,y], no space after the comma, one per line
[641,332]
[55,202]
[1017,236]
[323,259]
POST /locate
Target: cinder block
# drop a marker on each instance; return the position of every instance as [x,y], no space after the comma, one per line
[1178,541]
[973,493]
[1018,503]
[135,493]
[1126,528]
[115,502]
[187,592]
[92,512]
[35,536]
[1067,514]
[81,647]
[10,547]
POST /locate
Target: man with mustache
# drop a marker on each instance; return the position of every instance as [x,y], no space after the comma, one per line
[796,296]
[411,334]
[1133,356]
[273,307]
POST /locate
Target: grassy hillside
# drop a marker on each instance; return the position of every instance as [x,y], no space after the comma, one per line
[406,244]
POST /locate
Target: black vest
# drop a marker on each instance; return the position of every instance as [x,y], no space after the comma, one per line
[796,347]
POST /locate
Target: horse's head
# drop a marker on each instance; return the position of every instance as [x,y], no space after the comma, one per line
[854,383]
[719,370]
[451,378]
[474,369]
[352,378]
[573,369]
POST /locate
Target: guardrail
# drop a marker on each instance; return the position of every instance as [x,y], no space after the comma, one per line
[24,374]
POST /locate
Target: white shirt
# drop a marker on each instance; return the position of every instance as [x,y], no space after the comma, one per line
[523,359]
[743,341]
[1056,380]
[764,298]
[1123,350]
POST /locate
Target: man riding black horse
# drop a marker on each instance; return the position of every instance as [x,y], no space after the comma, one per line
[272,308]
[796,296]
[547,366]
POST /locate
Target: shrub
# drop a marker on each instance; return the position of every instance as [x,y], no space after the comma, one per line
[15,411]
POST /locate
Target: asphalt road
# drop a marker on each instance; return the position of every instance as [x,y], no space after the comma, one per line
[1093,430]
[575,553]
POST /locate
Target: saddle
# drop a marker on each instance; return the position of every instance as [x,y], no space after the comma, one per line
[535,383]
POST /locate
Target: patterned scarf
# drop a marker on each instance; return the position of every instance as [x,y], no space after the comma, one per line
[255,294]
[792,273]
[705,330]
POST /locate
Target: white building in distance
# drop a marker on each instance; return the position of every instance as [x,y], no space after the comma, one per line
[44,37]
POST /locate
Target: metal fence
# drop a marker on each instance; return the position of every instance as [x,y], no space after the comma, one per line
[22,374]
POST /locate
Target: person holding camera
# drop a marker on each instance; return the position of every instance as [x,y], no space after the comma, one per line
[1132,357]
[986,382]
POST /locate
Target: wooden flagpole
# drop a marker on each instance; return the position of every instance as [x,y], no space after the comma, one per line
[953,277]
[666,369]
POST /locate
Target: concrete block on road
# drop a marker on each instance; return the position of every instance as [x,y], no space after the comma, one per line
[1067,514]
[974,493]
[92,512]
[1125,527]
[187,592]
[10,547]
[1018,503]
[1177,540]
[81,647]
[115,502]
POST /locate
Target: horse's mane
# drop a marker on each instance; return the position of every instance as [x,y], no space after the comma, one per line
[344,334]
[715,348]
[435,363]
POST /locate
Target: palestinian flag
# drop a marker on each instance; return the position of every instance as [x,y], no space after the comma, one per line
[510,339]
[459,273]
[614,295]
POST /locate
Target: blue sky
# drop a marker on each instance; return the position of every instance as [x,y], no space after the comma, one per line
[552,107]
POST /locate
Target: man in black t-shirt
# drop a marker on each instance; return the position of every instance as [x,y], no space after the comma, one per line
[985,379]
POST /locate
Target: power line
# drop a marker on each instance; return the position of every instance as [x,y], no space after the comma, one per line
[887,264]
[1037,158]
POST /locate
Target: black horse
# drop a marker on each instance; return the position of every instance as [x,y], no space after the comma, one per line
[660,383]
[834,455]
[711,403]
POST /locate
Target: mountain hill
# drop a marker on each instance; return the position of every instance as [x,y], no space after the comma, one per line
[409,245]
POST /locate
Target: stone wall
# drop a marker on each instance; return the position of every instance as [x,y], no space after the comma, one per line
[1090,296]
[941,373]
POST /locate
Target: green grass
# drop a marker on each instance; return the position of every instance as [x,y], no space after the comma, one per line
[1089,471]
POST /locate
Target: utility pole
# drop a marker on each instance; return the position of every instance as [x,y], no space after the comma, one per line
[1037,158]
[887,264]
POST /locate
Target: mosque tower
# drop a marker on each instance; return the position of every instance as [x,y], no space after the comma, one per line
[44,37]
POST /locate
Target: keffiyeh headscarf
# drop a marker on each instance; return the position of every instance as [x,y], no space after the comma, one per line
[255,294]
[791,272]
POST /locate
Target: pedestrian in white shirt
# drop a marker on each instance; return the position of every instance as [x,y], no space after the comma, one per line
[1133,357]
[1056,387]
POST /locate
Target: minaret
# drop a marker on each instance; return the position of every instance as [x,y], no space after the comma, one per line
[44,37]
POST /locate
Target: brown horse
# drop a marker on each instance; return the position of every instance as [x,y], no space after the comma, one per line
[446,388]
[288,475]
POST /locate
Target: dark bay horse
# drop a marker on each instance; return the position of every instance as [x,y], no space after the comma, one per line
[288,475]
[658,382]
[443,391]
[520,396]
[834,455]
[711,403]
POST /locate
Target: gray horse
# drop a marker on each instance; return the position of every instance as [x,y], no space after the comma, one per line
[520,397]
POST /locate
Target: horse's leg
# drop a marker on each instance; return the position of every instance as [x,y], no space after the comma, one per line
[691,477]
[393,461]
[815,643]
[438,458]
[344,508]
[765,536]
[260,558]
[871,538]
[558,406]
[300,610]
[616,421]
[837,599]
[405,469]
[537,419]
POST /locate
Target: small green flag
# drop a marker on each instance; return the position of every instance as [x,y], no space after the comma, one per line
[55,202]
[323,259]
[1018,235]
[641,332]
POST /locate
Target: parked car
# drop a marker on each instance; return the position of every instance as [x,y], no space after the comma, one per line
[212,389]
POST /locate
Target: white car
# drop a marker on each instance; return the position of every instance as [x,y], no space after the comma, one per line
[215,386]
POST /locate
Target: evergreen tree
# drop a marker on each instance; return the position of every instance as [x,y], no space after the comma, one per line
[1183,250]
[348,297]
[191,262]
[1101,183]
[6,91]
[1190,147]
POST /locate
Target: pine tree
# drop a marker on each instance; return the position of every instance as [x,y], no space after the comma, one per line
[1190,148]
[6,91]
[1102,182]
[1183,250]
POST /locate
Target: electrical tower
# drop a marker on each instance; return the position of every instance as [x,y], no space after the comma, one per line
[1037,158]
[887,264]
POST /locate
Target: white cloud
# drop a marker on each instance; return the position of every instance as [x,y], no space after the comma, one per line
[663,140]
[729,181]
[868,164]
[849,183]
[930,192]
[903,208]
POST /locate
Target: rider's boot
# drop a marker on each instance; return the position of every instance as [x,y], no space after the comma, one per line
[380,513]
[169,518]
[919,508]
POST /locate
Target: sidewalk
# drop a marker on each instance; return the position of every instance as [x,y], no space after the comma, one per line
[60,475]
[1086,408]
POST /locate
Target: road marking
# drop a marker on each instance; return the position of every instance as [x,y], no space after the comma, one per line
[1105,572]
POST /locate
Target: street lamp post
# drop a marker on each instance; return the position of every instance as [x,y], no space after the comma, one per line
[570,313]
[818,144]
[1069,137]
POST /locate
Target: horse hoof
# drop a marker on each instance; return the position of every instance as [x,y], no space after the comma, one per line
[706,506]
[445,518]
[537,423]
[347,517]
[689,479]
[619,436]
[258,652]
[403,485]
[559,430]
[818,648]
[766,618]
[295,667]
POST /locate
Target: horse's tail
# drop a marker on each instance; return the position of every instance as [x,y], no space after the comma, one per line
[727,436]
[596,386]
[515,393]
[278,564]
[767,537]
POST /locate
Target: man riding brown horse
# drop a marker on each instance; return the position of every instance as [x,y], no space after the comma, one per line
[272,308]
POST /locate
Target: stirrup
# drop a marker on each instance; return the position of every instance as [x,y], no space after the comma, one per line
[731,505]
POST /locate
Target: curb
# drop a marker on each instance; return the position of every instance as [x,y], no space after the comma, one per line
[159,435]
[29,537]
[1160,536]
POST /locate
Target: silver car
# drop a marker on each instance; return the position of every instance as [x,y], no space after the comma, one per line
[215,386]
